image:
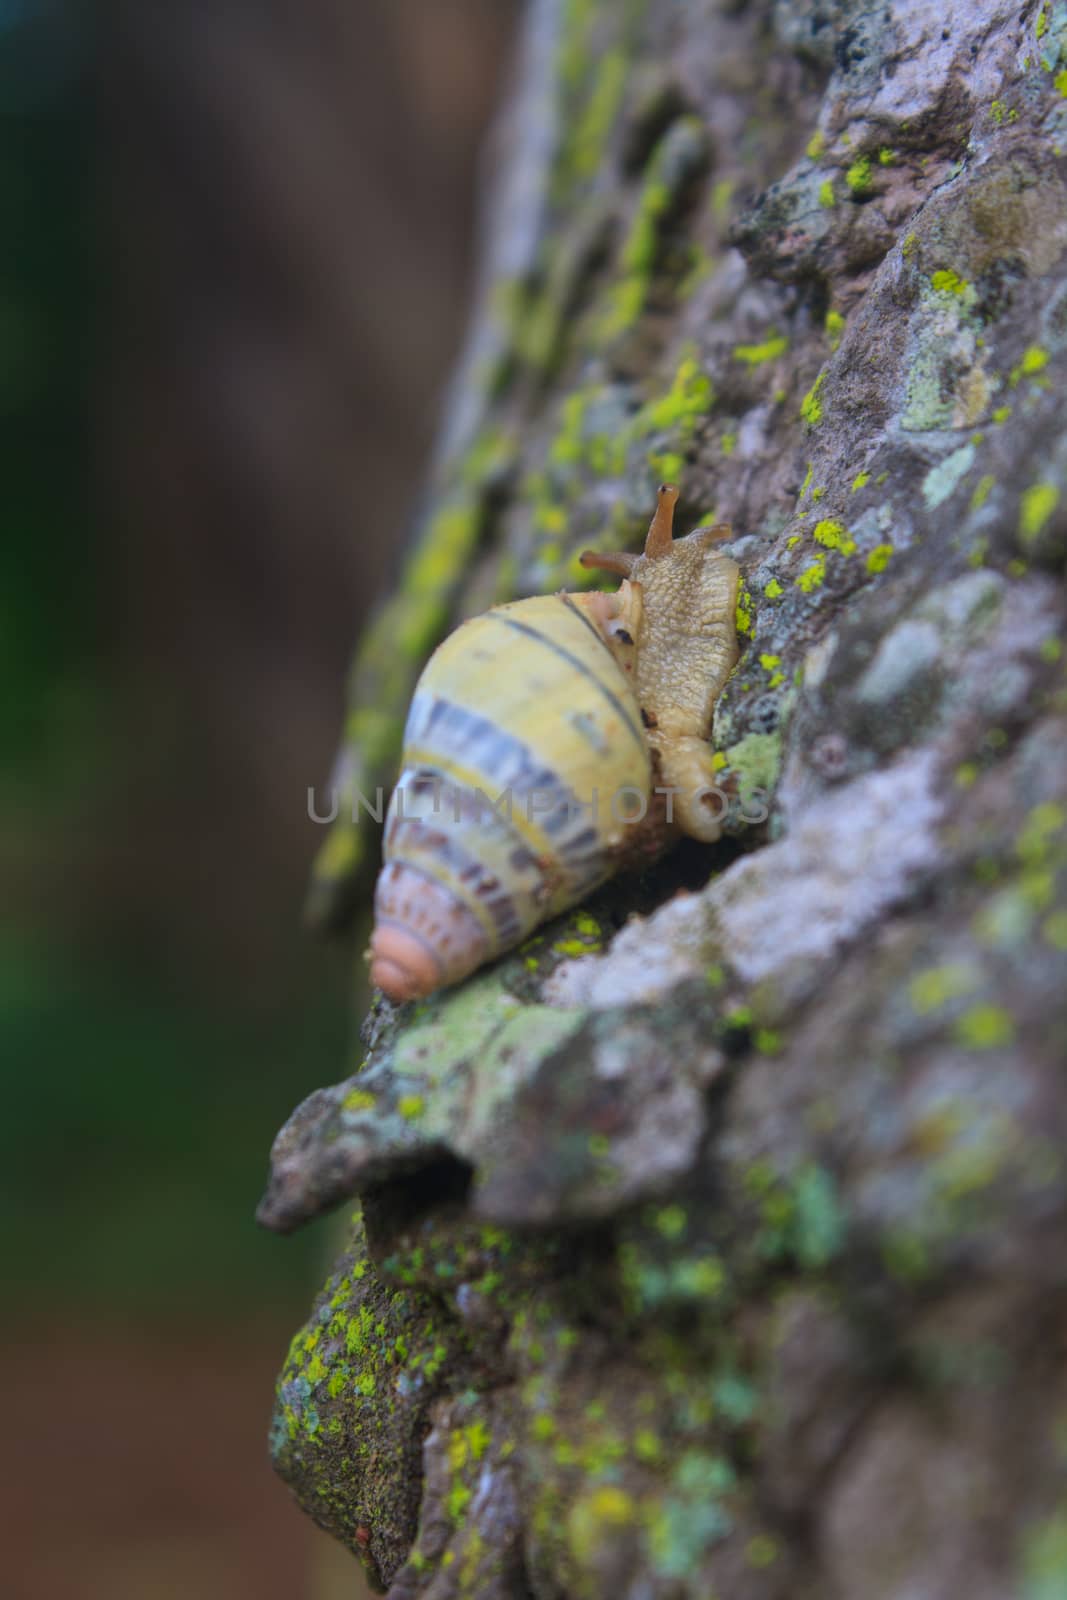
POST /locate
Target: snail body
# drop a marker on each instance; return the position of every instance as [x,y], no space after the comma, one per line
[536,737]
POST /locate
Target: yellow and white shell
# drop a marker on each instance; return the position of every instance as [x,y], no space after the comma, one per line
[523,754]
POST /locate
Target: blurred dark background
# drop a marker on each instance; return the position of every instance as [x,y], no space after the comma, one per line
[237,249]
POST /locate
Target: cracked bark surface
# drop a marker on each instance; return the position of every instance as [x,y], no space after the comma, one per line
[714,1242]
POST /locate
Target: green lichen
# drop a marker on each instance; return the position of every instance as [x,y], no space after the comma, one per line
[743,615]
[982,490]
[858,176]
[1035,508]
[930,990]
[834,536]
[947,281]
[835,326]
[588,141]
[827,198]
[941,481]
[674,163]
[722,193]
[689,398]
[984,1027]
[769,349]
[354,1390]
[666,465]
[1033,361]
[754,761]
[773,589]
[685,1522]
[812,575]
[811,410]
[818,1222]
[879,558]
[359,1100]
[860,481]
[670,1221]
[800,1219]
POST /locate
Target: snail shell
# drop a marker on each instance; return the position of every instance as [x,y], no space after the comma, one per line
[530,751]
[526,701]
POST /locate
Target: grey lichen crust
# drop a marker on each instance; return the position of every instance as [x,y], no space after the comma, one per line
[722,1251]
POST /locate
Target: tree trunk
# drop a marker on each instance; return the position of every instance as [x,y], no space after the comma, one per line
[724,1252]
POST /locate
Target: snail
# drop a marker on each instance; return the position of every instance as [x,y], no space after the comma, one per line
[547,741]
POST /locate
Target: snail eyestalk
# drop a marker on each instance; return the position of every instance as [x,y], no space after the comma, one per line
[618,561]
[661,528]
[657,543]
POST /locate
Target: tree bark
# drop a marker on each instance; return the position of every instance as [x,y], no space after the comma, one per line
[723,1251]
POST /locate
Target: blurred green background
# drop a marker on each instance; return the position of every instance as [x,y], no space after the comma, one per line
[237,249]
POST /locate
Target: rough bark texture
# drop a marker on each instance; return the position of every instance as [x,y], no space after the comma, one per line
[725,1252]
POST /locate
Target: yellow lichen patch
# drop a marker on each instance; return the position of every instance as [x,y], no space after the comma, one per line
[1033,360]
[948,282]
[743,614]
[858,176]
[359,1100]
[812,575]
[860,480]
[835,536]
[878,559]
[754,355]
[835,327]
[811,405]
[772,589]
[1035,508]
[930,990]
[982,491]
[984,1027]
[826,194]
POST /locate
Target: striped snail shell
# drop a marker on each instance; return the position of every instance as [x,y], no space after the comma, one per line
[530,751]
